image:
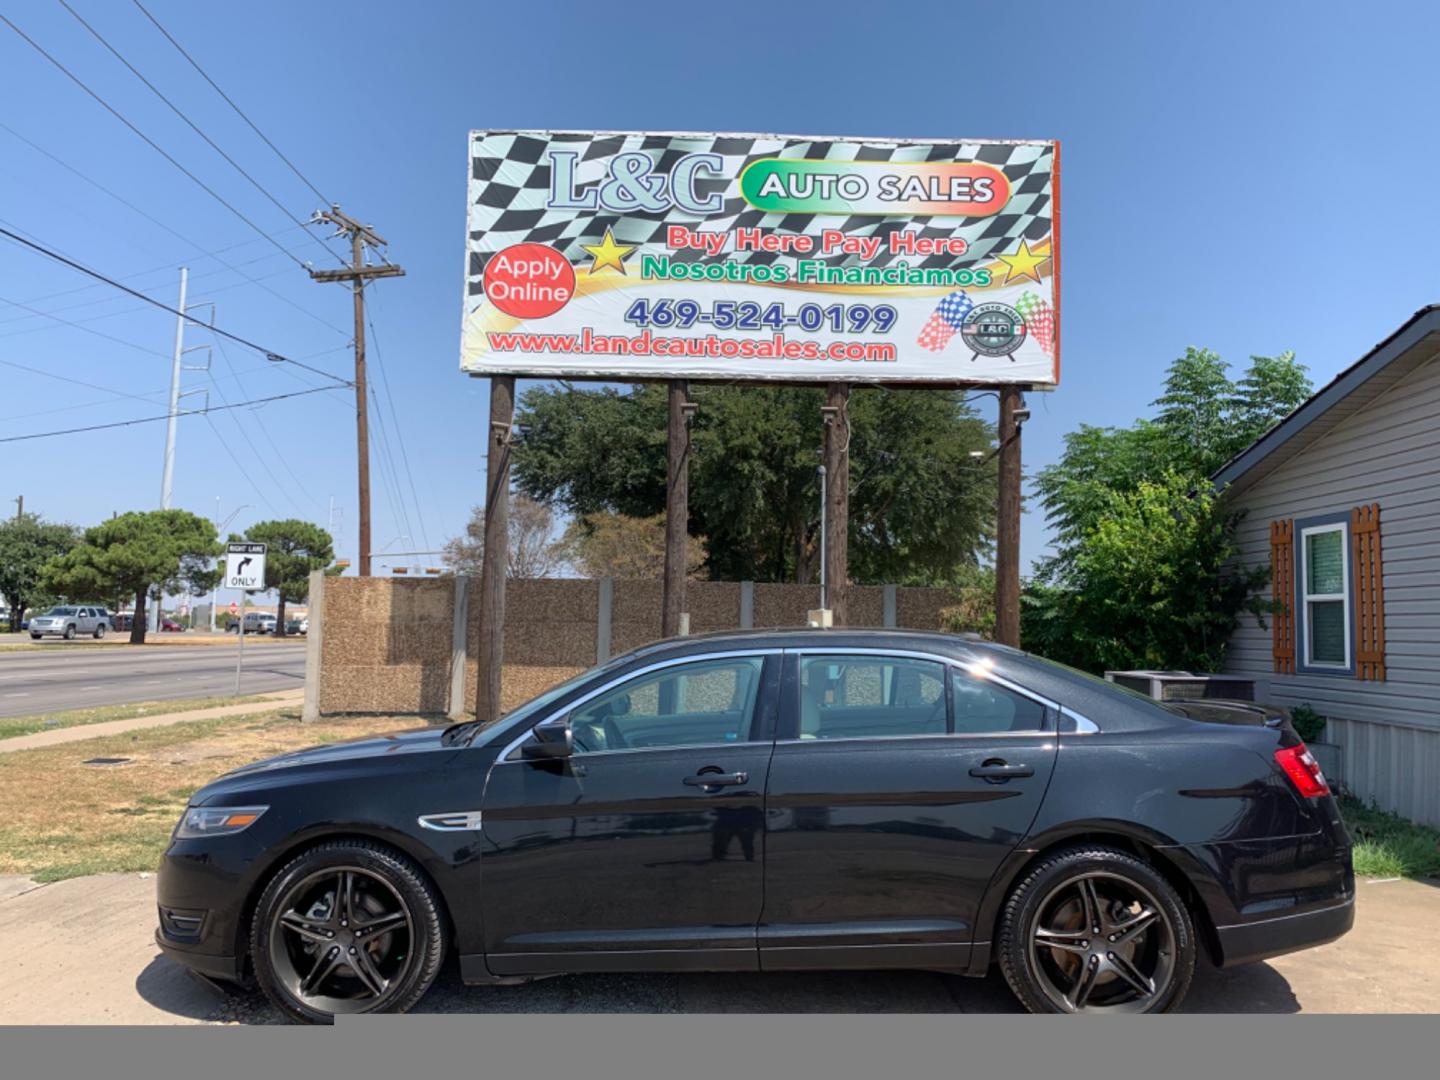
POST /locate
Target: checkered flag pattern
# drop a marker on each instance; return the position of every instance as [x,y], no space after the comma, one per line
[945,322]
[1039,319]
[510,182]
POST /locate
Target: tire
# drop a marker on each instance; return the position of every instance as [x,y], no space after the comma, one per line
[389,891]
[70,632]
[1054,963]
[99,631]
[36,637]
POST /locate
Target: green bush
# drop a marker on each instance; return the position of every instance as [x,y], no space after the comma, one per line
[1388,845]
[1307,722]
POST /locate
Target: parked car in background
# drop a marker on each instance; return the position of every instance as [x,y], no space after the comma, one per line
[69,620]
[297,626]
[256,622]
[170,626]
[768,801]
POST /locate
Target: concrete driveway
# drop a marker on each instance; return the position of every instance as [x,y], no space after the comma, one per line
[81,952]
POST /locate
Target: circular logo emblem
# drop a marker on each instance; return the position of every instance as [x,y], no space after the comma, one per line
[529,281]
[993,329]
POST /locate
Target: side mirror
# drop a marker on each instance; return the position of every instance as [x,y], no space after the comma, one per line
[551,740]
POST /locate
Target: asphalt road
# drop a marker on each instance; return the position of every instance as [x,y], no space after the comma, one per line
[55,678]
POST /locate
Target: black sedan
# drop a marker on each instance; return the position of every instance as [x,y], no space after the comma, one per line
[771,801]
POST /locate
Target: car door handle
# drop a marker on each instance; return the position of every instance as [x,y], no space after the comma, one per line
[996,771]
[718,779]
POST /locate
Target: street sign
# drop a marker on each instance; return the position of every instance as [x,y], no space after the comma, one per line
[245,566]
[234,608]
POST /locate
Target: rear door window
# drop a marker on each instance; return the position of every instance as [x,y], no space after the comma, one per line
[871,697]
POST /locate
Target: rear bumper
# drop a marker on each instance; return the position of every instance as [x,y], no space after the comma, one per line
[1247,942]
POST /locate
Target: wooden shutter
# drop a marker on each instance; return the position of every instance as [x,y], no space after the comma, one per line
[1282,589]
[1369,593]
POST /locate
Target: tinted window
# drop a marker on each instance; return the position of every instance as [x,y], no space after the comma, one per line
[848,697]
[61,611]
[982,707]
[696,704]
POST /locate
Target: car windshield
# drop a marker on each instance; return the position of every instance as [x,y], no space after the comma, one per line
[469,731]
[1106,684]
[61,611]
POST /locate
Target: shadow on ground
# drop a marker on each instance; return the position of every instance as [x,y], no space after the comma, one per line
[1256,988]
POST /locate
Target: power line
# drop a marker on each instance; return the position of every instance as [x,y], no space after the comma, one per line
[151,142]
[269,354]
[194,126]
[399,433]
[195,64]
[179,235]
[239,468]
[79,382]
[78,326]
[165,416]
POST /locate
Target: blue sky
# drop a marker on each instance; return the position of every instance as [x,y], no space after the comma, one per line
[1246,177]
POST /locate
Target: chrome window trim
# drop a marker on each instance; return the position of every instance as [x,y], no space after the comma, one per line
[1083,724]
[504,758]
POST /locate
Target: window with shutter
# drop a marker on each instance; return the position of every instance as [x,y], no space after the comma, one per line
[1369,592]
[1282,589]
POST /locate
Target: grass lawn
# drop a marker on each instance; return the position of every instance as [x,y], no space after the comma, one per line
[1388,845]
[10,726]
[61,819]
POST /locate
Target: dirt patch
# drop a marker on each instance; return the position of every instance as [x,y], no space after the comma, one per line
[63,818]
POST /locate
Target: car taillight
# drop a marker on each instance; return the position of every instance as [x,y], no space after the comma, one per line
[1303,770]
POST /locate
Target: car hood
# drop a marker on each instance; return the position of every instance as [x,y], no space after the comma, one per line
[373,748]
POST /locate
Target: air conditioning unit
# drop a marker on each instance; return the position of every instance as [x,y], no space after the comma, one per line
[1184,685]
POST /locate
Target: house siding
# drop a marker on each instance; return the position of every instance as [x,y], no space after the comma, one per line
[1388,453]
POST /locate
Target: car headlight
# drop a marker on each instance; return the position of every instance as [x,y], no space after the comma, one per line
[202,821]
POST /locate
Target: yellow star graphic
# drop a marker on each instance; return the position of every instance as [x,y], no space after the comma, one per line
[1023,264]
[609,253]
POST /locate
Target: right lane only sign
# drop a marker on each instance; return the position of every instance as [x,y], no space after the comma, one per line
[245,566]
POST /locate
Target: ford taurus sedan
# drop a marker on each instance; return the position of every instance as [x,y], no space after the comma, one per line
[773,801]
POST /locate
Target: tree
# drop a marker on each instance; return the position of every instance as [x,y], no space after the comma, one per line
[1113,483]
[127,554]
[1152,586]
[27,543]
[614,545]
[920,504]
[533,550]
[293,549]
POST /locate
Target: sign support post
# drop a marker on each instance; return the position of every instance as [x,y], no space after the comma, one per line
[836,519]
[240,652]
[677,508]
[497,549]
[1007,523]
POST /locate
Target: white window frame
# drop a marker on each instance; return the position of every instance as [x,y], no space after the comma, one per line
[1307,598]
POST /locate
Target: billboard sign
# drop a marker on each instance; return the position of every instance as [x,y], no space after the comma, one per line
[761,257]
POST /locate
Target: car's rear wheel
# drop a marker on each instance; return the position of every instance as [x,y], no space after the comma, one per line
[99,632]
[347,927]
[1096,930]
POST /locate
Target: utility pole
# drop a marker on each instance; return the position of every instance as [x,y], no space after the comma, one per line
[674,617]
[490,656]
[835,524]
[1007,522]
[19,508]
[167,480]
[361,237]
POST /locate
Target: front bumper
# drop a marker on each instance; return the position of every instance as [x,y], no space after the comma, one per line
[228,969]
[1245,943]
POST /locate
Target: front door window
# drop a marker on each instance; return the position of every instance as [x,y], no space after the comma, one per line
[706,703]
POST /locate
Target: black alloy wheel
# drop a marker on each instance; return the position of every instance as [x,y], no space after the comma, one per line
[1096,930]
[347,927]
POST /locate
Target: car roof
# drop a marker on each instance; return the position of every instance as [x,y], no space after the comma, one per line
[956,645]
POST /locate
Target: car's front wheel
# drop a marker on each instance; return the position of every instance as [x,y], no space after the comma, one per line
[70,632]
[347,927]
[1094,929]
